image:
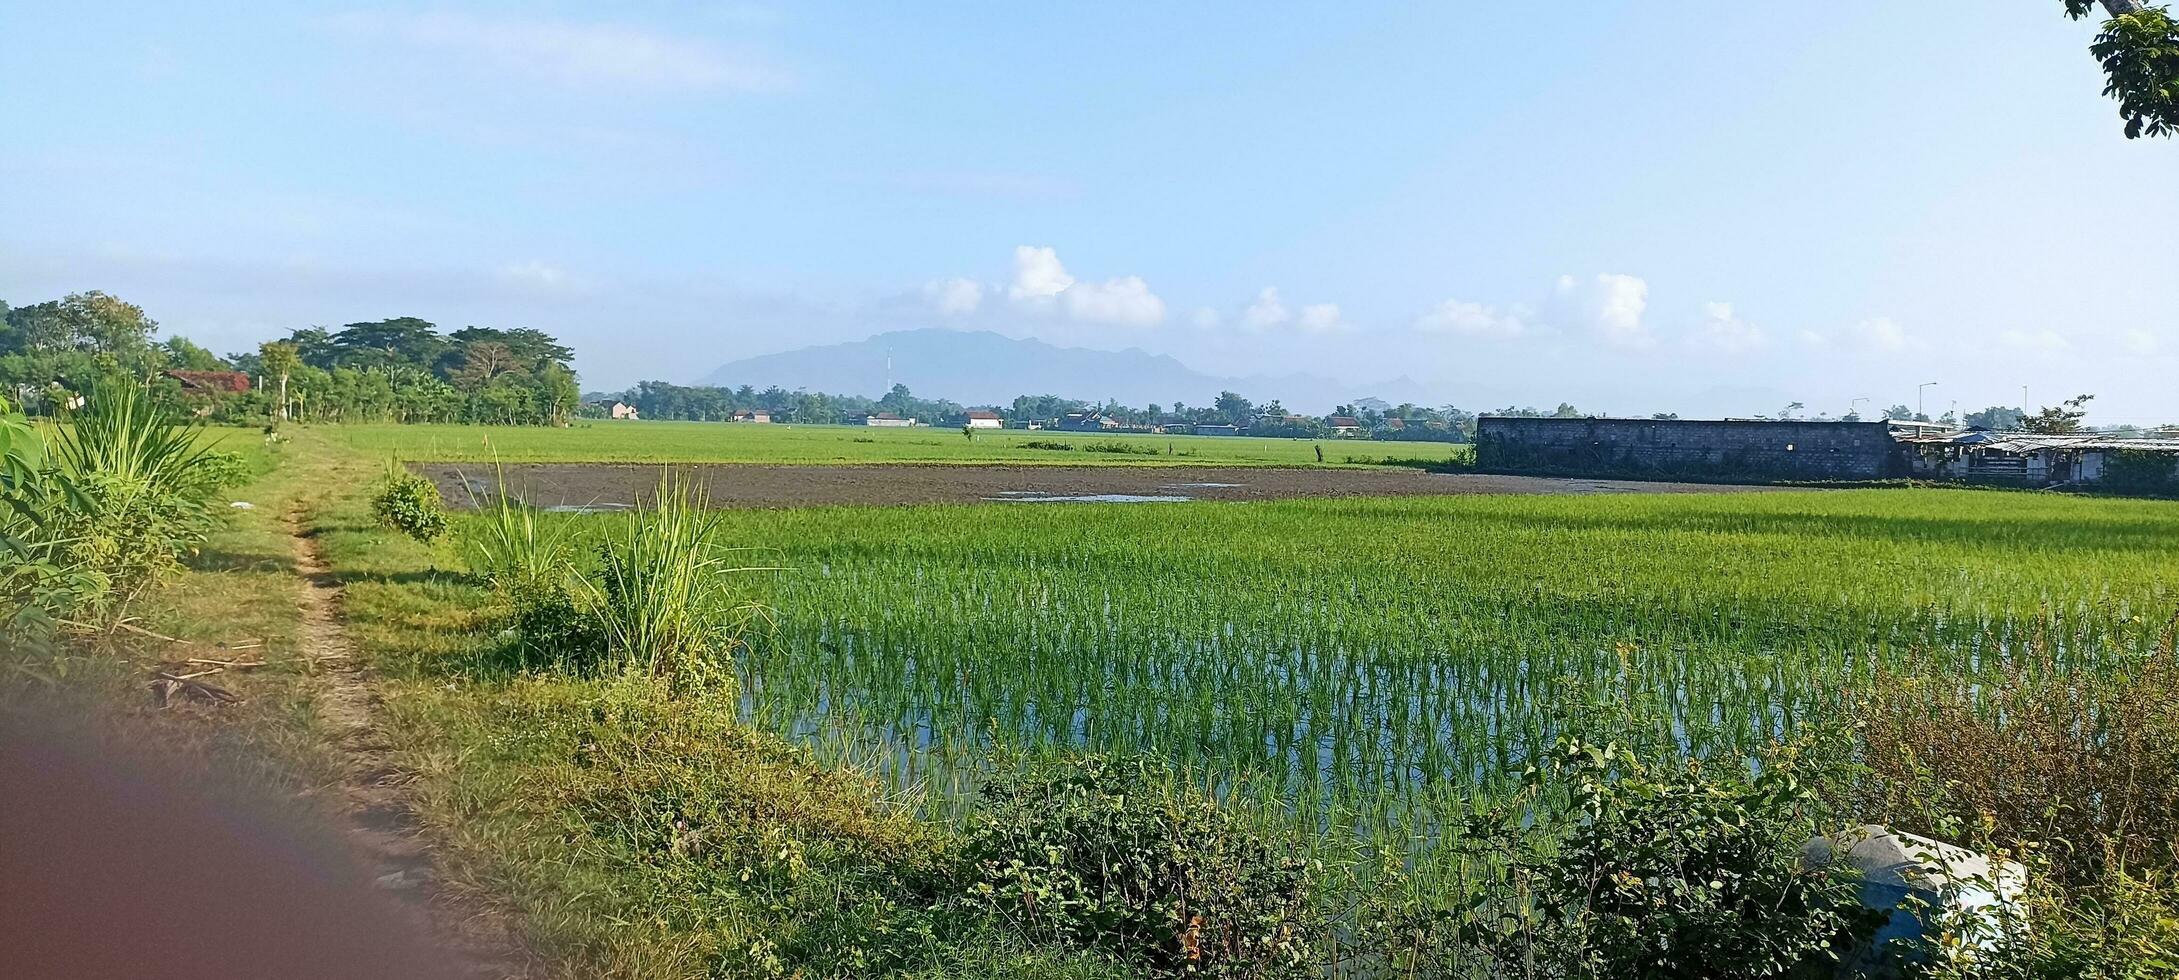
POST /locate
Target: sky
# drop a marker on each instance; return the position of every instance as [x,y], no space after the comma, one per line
[1633,207]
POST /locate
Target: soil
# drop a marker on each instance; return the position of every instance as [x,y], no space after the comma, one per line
[608,486]
[374,793]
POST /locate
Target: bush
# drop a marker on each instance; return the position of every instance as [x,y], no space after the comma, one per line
[1062,447]
[126,491]
[1114,854]
[1624,869]
[411,504]
[1122,448]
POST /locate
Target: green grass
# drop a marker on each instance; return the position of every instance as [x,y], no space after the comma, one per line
[719,442]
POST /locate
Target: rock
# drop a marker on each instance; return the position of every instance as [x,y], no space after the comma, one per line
[1975,903]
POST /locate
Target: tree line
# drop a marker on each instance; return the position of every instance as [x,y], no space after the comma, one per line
[401,369]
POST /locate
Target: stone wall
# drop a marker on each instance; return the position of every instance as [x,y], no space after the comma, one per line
[1686,448]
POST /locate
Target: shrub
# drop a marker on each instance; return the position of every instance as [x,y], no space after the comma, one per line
[410,504]
[2081,766]
[1115,854]
[1619,868]
[125,493]
[1122,448]
[1062,447]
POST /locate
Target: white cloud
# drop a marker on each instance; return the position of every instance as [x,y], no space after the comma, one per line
[1473,320]
[1206,318]
[1126,301]
[1612,304]
[540,276]
[954,297]
[2045,341]
[566,51]
[1322,318]
[1721,330]
[1041,282]
[1813,338]
[1883,333]
[2139,341]
[1267,311]
[1038,276]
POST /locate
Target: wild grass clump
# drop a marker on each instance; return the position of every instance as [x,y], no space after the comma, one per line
[659,600]
[663,594]
[1050,445]
[124,492]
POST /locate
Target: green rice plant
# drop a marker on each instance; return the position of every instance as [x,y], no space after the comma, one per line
[663,596]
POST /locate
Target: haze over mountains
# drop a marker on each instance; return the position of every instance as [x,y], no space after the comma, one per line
[981,367]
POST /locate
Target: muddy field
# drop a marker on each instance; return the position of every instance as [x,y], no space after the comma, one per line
[609,486]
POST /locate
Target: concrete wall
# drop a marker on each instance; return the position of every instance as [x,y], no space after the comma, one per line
[1687,448]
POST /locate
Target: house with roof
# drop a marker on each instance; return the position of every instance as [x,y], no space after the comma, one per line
[1344,425]
[756,415]
[211,382]
[977,418]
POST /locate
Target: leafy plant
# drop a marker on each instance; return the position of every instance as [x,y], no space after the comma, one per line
[1115,854]
[411,504]
[1622,868]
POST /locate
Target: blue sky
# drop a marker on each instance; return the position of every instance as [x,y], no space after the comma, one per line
[1634,207]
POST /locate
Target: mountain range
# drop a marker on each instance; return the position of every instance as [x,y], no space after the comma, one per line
[985,368]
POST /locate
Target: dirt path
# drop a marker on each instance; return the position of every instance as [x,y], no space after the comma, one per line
[375,793]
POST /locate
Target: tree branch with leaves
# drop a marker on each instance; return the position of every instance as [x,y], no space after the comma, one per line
[2139,50]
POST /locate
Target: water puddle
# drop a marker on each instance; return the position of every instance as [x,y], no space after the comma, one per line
[1032,496]
[1202,486]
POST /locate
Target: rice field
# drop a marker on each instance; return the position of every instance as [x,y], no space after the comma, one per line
[721,442]
[1357,664]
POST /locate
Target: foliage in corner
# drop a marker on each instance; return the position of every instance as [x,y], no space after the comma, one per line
[2139,50]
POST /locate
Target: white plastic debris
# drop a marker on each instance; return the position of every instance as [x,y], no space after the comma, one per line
[1941,895]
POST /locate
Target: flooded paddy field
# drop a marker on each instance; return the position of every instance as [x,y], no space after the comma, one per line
[610,486]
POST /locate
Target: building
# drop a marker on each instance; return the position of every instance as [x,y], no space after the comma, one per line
[1344,425]
[1217,430]
[211,382]
[1087,422]
[759,416]
[1689,448]
[882,419]
[980,419]
[2038,460]
[621,410]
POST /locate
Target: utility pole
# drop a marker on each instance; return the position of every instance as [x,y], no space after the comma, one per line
[1853,408]
[1919,412]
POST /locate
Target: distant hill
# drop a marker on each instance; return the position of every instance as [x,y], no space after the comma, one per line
[981,367]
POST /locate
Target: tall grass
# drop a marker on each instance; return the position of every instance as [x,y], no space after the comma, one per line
[123,433]
[511,547]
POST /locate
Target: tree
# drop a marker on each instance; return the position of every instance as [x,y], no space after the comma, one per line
[1900,413]
[1235,409]
[2059,420]
[1996,417]
[2139,49]
[280,358]
[380,343]
[483,364]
